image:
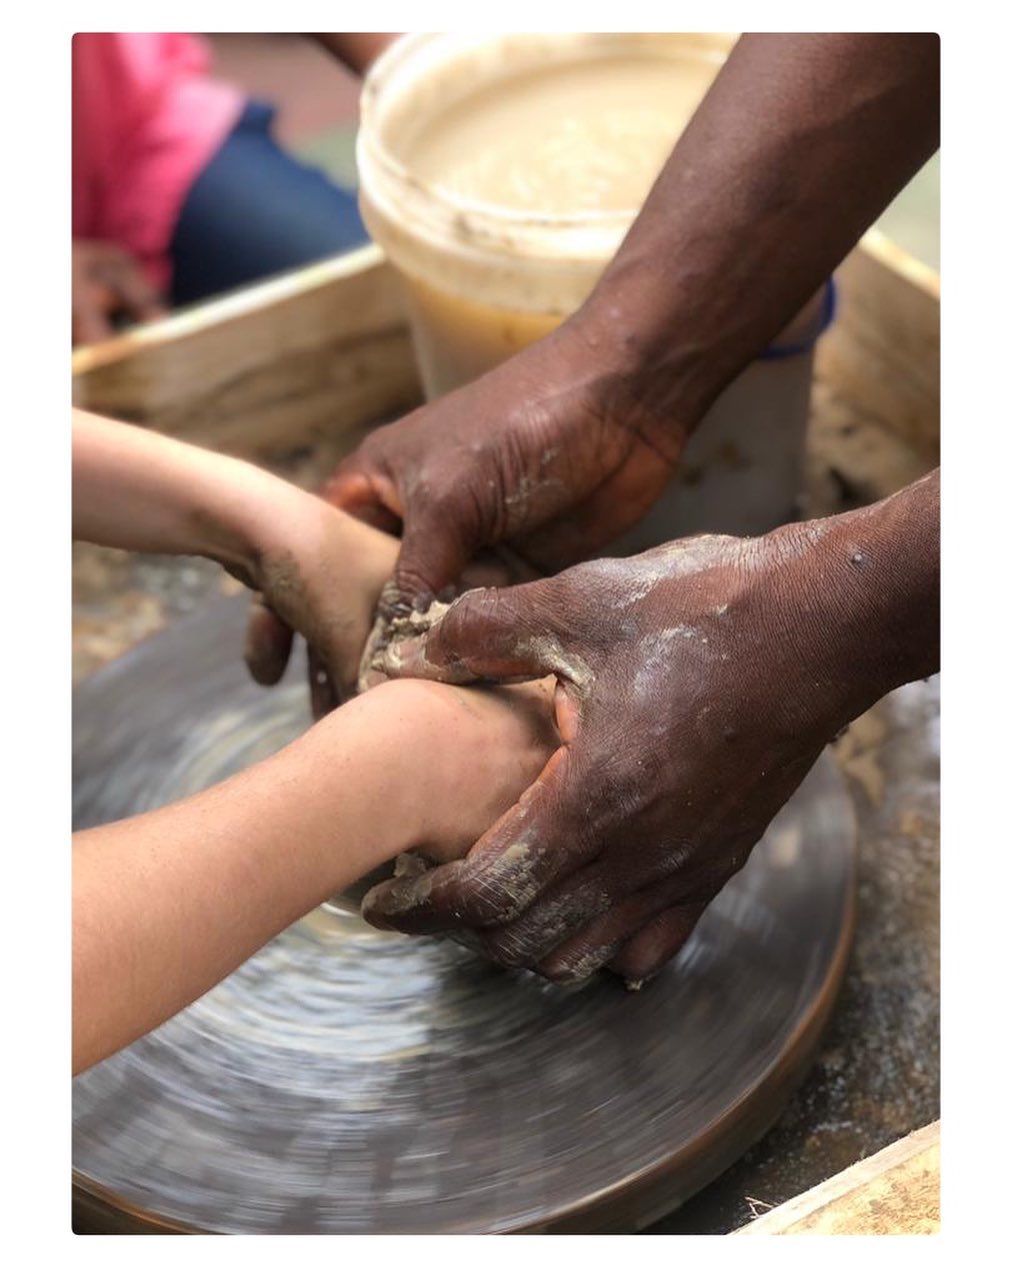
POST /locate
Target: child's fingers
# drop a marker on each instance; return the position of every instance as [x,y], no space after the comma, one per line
[268,643]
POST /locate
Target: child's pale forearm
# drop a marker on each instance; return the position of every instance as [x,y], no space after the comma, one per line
[168,903]
[318,569]
[134,489]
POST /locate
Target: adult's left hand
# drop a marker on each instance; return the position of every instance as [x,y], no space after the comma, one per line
[546,455]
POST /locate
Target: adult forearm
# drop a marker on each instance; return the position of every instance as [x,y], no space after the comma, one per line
[859,609]
[801,142]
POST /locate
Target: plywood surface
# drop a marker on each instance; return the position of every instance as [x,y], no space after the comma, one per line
[895,1191]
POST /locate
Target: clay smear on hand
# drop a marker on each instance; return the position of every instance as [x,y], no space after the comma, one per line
[383,655]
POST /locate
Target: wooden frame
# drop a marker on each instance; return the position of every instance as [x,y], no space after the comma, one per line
[312,357]
[882,352]
[896,1191]
[315,358]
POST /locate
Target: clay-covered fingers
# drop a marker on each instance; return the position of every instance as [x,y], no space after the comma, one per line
[579,924]
[268,649]
[654,945]
[439,535]
[629,913]
[538,841]
[107,281]
[268,643]
[435,549]
[603,941]
[494,634]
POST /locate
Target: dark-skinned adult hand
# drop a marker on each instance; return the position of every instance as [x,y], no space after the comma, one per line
[545,453]
[698,683]
[270,639]
[106,282]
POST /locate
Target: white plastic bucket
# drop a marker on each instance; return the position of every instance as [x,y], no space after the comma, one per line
[484,278]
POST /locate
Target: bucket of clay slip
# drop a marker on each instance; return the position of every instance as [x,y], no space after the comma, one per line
[500,175]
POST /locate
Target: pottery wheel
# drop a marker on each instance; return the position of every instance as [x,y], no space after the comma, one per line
[346,1080]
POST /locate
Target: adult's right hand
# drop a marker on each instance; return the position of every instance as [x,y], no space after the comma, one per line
[552,453]
[107,281]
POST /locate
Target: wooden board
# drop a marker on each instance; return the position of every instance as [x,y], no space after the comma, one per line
[881,354]
[896,1191]
[313,355]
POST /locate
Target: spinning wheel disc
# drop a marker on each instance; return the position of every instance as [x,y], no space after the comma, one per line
[346,1080]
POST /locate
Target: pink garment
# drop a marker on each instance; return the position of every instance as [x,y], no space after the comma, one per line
[147,119]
